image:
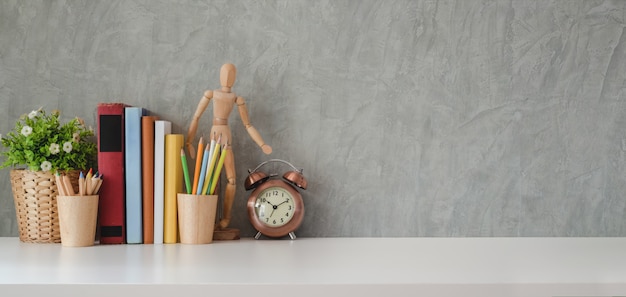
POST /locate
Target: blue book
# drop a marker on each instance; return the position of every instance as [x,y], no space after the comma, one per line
[133,176]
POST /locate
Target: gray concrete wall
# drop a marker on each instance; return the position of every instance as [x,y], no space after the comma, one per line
[410,118]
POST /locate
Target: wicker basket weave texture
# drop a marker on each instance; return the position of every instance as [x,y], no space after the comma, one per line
[35,196]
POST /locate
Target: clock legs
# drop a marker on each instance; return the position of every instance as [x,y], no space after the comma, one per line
[292,235]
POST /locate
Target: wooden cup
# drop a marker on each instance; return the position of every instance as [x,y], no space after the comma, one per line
[196,218]
[77,219]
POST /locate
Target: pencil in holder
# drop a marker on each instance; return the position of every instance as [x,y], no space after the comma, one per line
[77,219]
[196,218]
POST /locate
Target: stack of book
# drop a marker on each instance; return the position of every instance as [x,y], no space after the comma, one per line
[140,158]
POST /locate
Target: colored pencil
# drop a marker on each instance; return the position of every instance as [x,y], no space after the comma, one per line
[196,173]
[81,184]
[183,159]
[218,170]
[205,160]
[214,156]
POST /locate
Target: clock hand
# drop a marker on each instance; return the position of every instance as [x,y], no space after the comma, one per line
[274,207]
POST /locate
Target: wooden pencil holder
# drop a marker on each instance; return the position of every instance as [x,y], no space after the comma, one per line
[196,218]
[77,219]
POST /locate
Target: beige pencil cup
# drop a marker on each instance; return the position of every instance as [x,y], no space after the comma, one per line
[77,219]
[196,218]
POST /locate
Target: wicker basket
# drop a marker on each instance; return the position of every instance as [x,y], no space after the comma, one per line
[35,193]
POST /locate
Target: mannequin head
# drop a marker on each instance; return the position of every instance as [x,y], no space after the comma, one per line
[228,72]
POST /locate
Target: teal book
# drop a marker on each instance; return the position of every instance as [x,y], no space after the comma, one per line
[133,174]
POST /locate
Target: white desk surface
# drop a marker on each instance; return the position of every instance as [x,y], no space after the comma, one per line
[321,267]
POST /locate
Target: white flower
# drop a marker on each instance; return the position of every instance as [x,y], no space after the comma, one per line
[76,137]
[32,114]
[55,148]
[27,130]
[67,147]
[46,166]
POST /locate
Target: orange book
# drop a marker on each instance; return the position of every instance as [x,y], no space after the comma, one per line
[147,172]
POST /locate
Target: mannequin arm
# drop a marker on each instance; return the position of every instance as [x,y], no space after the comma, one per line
[191,133]
[254,134]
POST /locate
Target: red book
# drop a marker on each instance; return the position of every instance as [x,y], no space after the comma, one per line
[111,204]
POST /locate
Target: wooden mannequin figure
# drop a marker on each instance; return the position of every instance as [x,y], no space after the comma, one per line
[223,103]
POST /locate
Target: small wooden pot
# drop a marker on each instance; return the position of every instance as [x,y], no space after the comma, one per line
[77,217]
[196,218]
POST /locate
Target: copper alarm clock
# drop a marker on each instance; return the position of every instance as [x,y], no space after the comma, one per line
[275,206]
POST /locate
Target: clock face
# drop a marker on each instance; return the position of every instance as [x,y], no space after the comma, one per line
[274,206]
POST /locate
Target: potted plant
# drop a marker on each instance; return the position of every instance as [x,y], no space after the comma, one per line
[39,147]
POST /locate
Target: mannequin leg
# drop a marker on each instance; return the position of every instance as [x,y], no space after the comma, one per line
[229,193]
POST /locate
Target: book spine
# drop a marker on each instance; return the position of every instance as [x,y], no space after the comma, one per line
[173,184]
[147,171]
[133,177]
[110,125]
[161,128]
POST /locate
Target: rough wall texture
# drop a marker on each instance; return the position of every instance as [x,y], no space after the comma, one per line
[410,118]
